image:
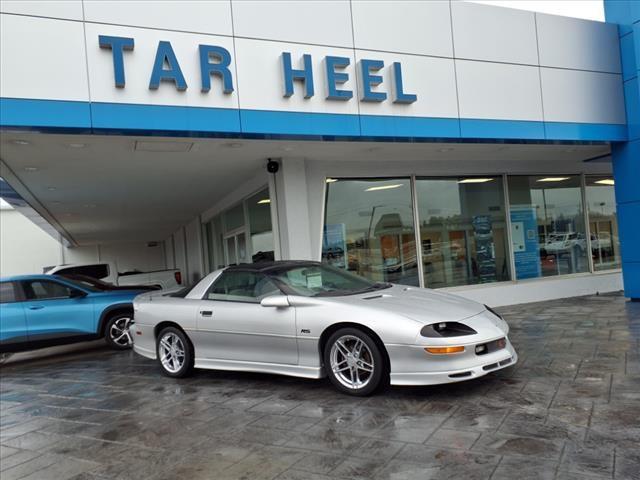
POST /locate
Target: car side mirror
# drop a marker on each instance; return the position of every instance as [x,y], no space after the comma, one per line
[278,301]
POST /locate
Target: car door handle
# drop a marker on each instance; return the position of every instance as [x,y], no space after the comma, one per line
[36,307]
[206,313]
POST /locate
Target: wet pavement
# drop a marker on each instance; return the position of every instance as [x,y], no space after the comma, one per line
[570,409]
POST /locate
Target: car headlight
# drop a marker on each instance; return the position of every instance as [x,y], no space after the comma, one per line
[446,329]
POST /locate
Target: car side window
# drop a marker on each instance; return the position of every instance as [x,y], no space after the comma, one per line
[8,292]
[46,290]
[248,287]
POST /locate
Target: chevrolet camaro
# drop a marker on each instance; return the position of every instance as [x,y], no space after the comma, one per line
[312,320]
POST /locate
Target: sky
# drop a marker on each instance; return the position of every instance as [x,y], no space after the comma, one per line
[589,9]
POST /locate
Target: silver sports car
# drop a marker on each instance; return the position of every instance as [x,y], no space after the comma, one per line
[309,320]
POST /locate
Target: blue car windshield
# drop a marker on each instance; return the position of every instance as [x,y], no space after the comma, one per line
[323,281]
[82,285]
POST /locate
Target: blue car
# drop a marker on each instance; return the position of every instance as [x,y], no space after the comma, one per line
[39,311]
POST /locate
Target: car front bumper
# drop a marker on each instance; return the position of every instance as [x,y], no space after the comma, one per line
[411,365]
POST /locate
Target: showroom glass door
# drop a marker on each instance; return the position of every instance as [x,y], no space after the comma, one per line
[235,249]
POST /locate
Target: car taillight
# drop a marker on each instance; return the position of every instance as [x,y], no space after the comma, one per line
[178,277]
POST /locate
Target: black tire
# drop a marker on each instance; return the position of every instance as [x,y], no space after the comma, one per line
[116,331]
[372,355]
[185,366]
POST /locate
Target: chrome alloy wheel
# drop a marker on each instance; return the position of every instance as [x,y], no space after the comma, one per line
[171,352]
[119,332]
[351,362]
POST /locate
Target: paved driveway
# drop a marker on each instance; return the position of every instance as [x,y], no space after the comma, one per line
[570,410]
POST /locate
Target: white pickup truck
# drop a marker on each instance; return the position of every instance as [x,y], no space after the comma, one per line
[107,272]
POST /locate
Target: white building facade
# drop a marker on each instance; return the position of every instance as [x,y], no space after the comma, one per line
[442,144]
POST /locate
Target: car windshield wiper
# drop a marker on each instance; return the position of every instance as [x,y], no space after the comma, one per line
[338,292]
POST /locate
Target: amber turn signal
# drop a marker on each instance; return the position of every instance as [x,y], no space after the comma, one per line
[444,350]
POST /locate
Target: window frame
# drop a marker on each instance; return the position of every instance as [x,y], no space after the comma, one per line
[25,289]
[225,272]
[591,270]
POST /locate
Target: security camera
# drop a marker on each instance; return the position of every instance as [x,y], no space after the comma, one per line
[273,166]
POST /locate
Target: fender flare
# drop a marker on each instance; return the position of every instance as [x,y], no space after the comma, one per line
[106,313]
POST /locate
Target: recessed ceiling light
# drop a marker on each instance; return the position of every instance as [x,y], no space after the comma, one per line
[475,180]
[331,180]
[162,146]
[30,169]
[20,142]
[553,179]
[605,181]
[384,187]
[76,145]
[264,201]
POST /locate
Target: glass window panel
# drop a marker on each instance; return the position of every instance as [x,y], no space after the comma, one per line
[242,287]
[242,248]
[369,229]
[260,228]
[46,290]
[231,251]
[603,222]
[462,230]
[218,245]
[547,225]
[234,218]
[207,230]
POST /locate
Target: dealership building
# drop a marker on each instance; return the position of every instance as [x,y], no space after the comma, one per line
[490,152]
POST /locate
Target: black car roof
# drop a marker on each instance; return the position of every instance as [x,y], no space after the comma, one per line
[271,265]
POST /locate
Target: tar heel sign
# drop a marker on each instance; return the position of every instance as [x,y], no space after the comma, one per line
[297,74]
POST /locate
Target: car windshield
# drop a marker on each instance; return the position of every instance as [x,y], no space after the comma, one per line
[88,282]
[322,281]
[81,285]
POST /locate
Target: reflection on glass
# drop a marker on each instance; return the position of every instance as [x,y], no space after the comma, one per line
[603,222]
[462,230]
[260,229]
[234,218]
[369,229]
[547,225]
[232,259]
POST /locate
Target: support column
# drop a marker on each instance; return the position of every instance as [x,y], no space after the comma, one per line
[626,155]
[293,209]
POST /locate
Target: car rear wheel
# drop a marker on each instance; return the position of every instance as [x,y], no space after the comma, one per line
[354,362]
[117,331]
[174,352]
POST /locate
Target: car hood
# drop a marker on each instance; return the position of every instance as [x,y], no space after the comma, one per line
[419,304]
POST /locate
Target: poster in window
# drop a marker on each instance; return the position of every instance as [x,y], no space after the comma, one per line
[524,236]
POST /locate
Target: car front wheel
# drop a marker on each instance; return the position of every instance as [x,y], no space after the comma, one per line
[117,331]
[354,362]
[174,353]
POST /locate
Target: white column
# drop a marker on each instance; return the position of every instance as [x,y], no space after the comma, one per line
[293,210]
